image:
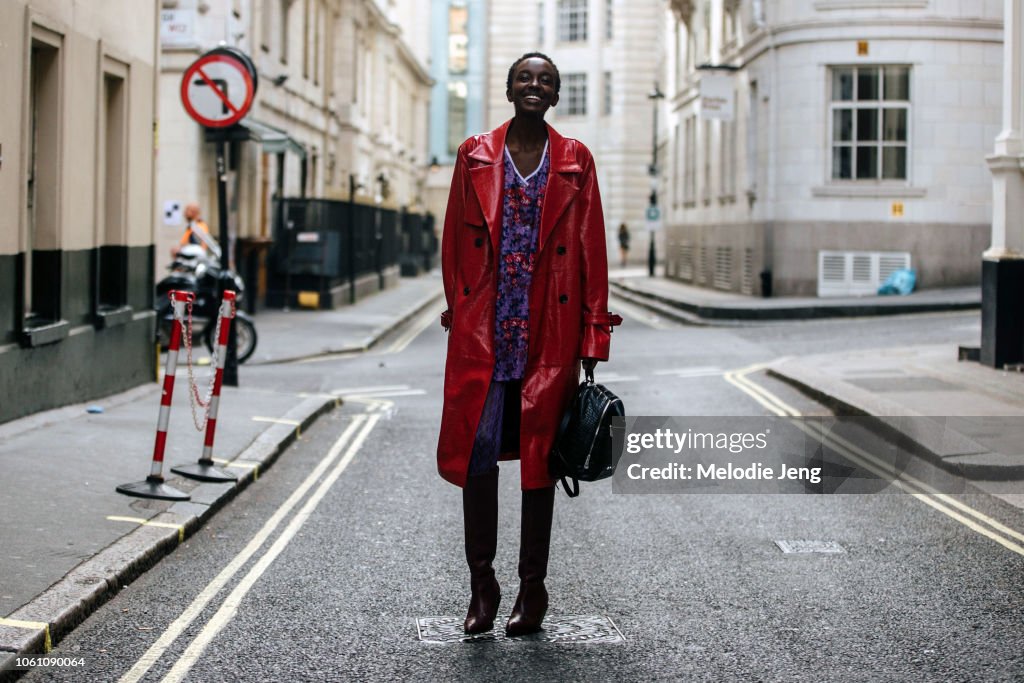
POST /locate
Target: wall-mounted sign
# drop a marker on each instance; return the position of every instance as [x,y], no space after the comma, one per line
[177,27]
[717,96]
[218,88]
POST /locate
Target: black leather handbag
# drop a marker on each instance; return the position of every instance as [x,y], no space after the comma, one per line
[583,449]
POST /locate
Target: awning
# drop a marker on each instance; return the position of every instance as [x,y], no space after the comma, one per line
[273,139]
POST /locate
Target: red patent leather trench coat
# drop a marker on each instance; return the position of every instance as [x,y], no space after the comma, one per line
[568,299]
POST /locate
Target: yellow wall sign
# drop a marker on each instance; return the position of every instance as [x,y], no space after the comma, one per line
[862,48]
[896,210]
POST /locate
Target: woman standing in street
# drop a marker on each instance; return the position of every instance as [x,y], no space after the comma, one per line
[525,273]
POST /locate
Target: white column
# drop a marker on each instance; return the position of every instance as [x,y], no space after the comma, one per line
[1005,163]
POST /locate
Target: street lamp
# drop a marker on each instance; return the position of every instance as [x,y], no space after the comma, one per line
[653,213]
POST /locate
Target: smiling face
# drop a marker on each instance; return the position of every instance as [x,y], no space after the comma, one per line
[533,89]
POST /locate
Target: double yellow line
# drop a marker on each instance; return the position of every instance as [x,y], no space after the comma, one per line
[947,505]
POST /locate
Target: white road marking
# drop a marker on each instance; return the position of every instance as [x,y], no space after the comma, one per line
[230,607]
[613,377]
[992,529]
[702,371]
[425,320]
[362,391]
[641,315]
[178,626]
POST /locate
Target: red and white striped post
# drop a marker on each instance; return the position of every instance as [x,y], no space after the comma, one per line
[205,470]
[154,486]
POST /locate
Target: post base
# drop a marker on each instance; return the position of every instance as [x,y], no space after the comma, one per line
[205,470]
[153,487]
[1002,300]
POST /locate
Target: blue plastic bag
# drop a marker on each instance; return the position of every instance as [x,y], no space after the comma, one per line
[900,282]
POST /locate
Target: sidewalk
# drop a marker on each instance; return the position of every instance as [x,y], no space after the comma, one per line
[978,425]
[70,541]
[699,305]
[977,413]
[348,329]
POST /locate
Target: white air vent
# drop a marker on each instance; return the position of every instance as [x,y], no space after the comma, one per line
[856,273]
[704,274]
[686,262]
[747,275]
[723,268]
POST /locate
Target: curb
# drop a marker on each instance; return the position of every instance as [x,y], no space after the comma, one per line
[654,306]
[67,603]
[714,314]
[948,450]
[369,341]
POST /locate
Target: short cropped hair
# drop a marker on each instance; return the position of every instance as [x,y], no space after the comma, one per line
[530,55]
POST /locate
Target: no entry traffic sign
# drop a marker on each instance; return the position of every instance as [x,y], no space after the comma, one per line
[218,88]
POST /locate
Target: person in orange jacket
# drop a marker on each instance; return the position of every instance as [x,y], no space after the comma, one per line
[196,230]
[525,274]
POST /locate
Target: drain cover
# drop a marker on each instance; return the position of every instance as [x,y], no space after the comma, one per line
[810,547]
[587,629]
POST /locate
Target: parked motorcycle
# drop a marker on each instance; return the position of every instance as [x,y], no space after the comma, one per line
[192,270]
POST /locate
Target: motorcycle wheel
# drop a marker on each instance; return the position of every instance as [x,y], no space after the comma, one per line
[245,335]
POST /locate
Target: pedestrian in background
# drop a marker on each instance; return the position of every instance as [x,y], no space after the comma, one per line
[525,273]
[196,230]
[623,244]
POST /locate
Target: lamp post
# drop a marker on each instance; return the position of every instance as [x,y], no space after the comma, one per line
[653,213]
[353,185]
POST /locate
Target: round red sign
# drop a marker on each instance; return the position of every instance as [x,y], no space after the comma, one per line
[217,90]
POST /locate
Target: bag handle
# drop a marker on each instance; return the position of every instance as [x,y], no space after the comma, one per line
[575,487]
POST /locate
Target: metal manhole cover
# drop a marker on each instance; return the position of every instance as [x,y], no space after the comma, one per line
[810,547]
[585,629]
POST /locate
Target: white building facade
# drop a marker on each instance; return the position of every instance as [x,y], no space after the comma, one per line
[343,86]
[76,184]
[857,143]
[609,54]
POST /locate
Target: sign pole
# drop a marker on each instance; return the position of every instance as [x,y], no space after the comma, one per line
[226,281]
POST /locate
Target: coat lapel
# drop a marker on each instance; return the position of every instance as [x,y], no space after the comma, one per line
[562,187]
[489,179]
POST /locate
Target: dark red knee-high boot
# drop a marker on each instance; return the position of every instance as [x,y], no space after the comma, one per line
[480,516]
[532,602]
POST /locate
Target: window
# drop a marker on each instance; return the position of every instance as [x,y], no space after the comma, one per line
[706,190]
[540,22]
[266,25]
[575,94]
[283,27]
[572,20]
[677,173]
[458,40]
[457,93]
[307,44]
[607,108]
[690,162]
[727,168]
[41,269]
[111,266]
[870,115]
[608,19]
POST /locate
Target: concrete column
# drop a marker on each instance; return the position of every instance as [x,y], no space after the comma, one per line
[1002,310]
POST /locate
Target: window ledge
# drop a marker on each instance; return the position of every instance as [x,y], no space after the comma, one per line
[42,333]
[868,191]
[113,316]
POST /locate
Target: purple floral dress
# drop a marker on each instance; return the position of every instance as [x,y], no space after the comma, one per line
[523,200]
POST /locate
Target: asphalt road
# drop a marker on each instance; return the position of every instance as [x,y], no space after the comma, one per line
[320,570]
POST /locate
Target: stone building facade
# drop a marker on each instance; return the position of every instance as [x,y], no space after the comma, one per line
[342,101]
[609,54]
[76,183]
[857,144]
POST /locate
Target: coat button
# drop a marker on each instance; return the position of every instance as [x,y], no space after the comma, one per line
[479,242]
[563,299]
[561,249]
[465,290]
